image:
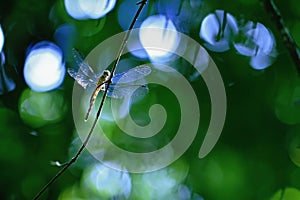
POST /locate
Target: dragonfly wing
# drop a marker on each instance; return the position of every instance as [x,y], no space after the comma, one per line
[81,79]
[86,69]
[115,93]
[82,73]
[132,74]
[72,73]
[83,66]
[121,91]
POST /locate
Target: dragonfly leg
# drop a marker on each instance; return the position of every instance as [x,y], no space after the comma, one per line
[104,86]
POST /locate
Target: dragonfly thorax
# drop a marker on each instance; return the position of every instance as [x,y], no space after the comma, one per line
[106,73]
[104,77]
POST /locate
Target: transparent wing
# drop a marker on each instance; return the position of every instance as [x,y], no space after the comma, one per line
[129,83]
[81,79]
[82,72]
[132,74]
[122,91]
[82,65]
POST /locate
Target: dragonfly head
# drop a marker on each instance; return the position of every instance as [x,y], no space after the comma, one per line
[106,73]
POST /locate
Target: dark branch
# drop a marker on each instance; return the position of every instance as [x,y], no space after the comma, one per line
[73,160]
[289,42]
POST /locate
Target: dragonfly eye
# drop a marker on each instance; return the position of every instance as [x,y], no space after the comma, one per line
[106,73]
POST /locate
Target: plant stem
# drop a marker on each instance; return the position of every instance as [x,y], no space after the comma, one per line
[73,160]
[288,40]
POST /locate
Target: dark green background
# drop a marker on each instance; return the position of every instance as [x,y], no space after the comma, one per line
[256,156]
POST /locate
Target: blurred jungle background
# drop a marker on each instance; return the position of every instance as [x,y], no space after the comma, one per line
[257,155]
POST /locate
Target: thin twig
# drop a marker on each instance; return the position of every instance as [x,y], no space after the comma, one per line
[288,40]
[123,45]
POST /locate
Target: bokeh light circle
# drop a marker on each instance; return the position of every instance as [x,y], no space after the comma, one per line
[106,182]
[215,33]
[88,9]
[159,31]
[44,67]
[257,42]
[40,108]
[1,39]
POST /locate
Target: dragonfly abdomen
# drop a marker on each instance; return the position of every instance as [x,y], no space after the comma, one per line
[100,85]
[92,100]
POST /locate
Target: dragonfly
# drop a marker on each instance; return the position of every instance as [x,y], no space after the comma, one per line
[128,81]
